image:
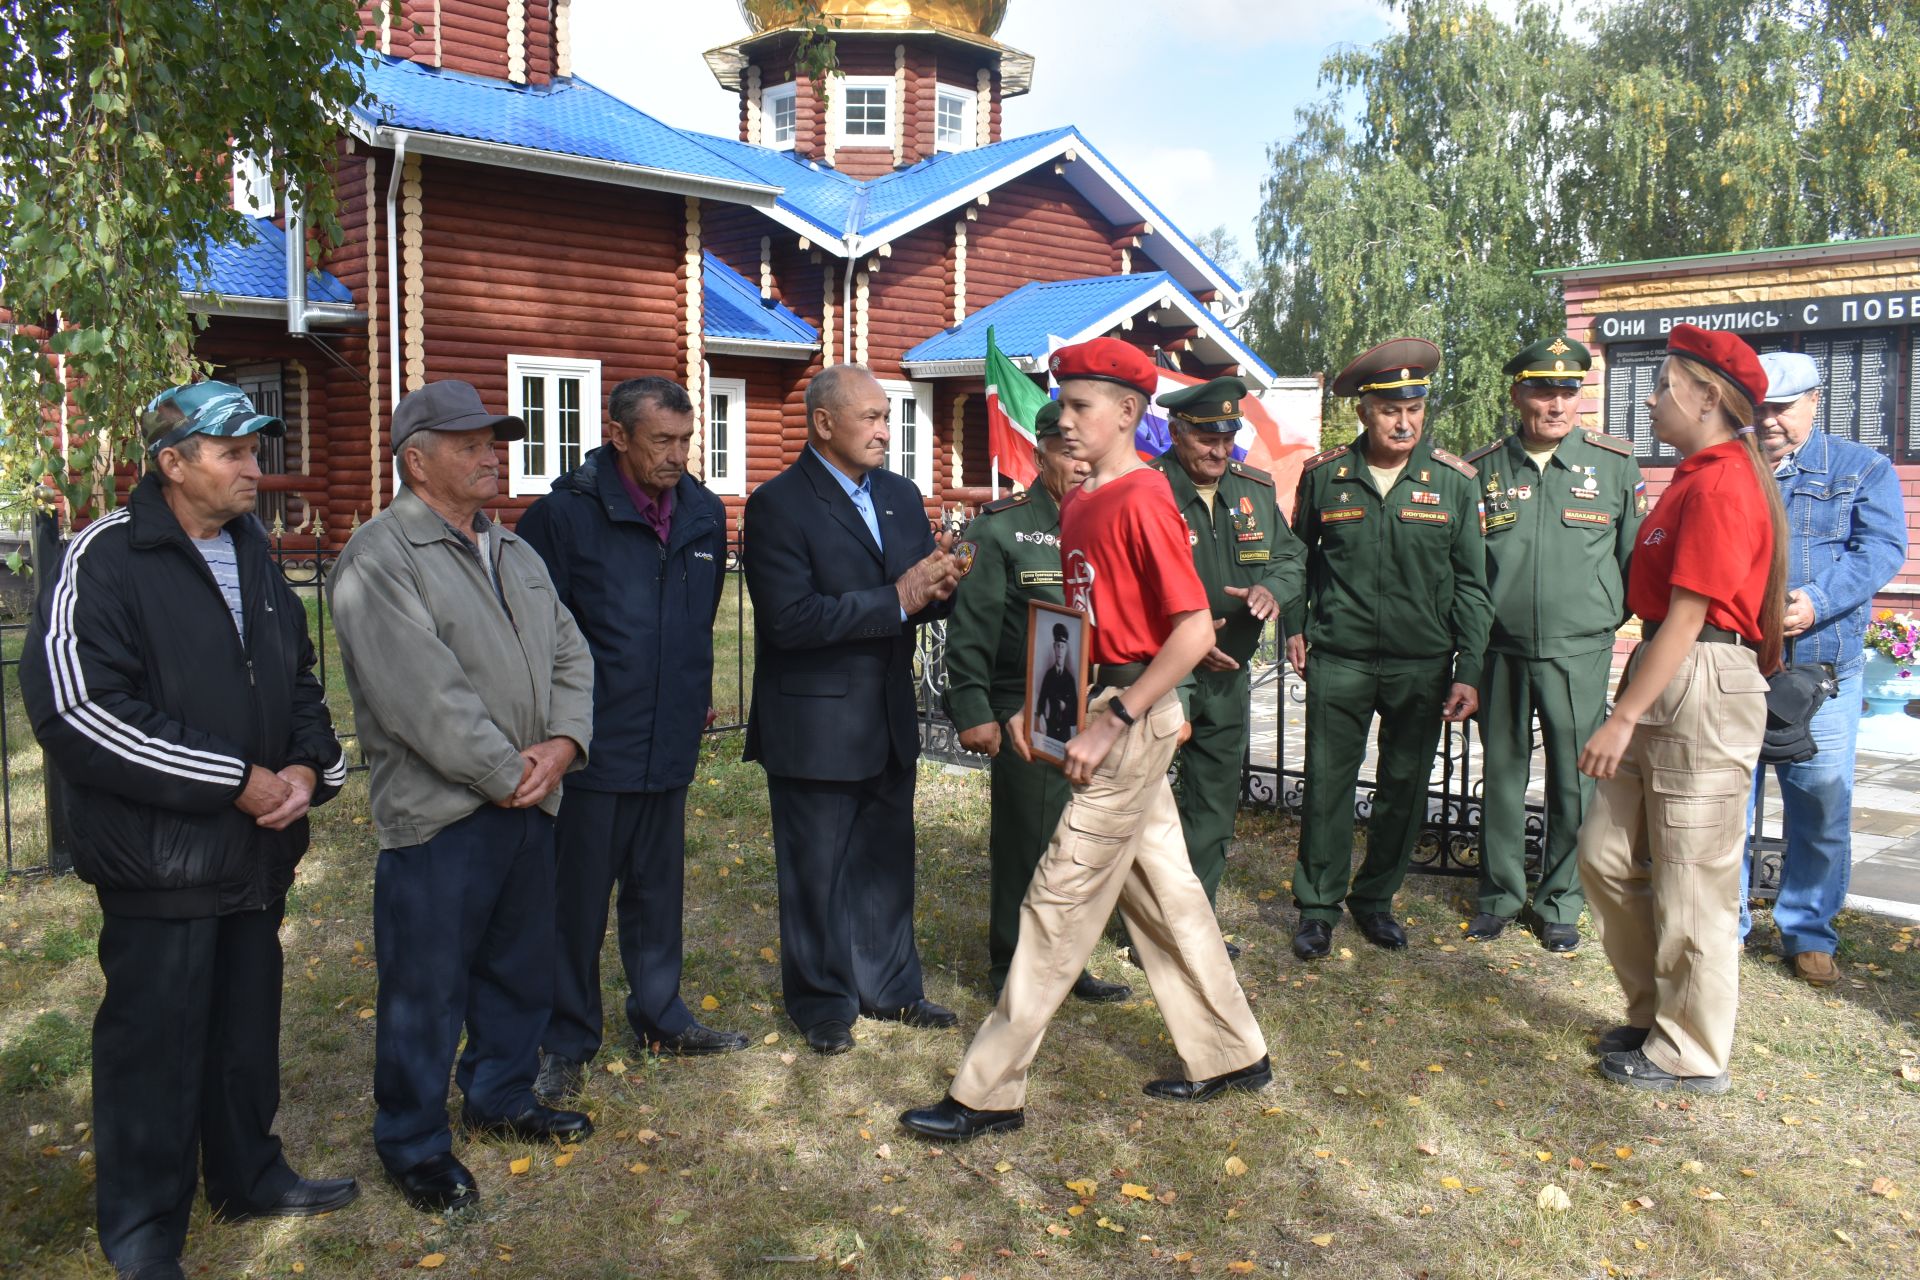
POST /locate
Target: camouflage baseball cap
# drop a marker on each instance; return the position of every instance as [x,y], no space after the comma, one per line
[205,409]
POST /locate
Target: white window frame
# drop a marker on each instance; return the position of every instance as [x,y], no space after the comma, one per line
[770,101]
[730,479]
[843,98]
[914,459]
[253,192]
[968,102]
[524,481]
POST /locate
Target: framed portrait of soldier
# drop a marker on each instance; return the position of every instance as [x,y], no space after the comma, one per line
[1056,679]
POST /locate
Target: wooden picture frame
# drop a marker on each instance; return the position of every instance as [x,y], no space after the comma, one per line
[1054,717]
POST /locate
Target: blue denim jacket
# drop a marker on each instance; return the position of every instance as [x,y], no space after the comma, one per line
[1848,531]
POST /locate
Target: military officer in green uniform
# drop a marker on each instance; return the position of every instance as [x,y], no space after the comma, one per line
[1394,621]
[1254,569]
[1015,549]
[1563,507]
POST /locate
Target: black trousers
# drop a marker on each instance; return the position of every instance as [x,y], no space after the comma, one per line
[463,927]
[186,1075]
[637,840]
[844,851]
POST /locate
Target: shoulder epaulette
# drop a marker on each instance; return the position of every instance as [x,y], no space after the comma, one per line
[1007,503]
[1325,455]
[1613,444]
[1254,474]
[1446,459]
[1486,449]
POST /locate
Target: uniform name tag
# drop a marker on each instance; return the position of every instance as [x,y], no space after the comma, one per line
[1580,515]
[1041,578]
[1336,515]
[1501,519]
[1254,557]
[1414,515]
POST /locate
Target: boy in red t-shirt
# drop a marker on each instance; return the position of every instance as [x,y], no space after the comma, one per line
[1128,565]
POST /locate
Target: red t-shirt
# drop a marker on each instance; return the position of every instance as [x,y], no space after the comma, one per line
[1711,534]
[1127,561]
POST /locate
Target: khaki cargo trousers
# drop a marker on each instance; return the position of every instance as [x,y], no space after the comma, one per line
[1660,853]
[1118,842]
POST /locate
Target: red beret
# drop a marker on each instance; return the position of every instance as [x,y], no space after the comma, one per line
[1109,360]
[1725,354]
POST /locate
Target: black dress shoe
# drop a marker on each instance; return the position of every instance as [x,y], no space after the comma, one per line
[152,1269]
[1560,938]
[1621,1040]
[559,1079]
[921,1013]
[948,1121]
[1313,940]
[1095,990]
[1486,926]
[1233,951]
[306,1198]
[1252,1079]
[436,1184]
[1637,1071]
[830,1037]
[697,1042]
[1382,930]
[536,1124]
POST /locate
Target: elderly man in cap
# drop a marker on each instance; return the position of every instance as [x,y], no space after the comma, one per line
[169,676]
[1015,556]
[473,694]
[1253,569]
[1395,619]
[1563,506]
[1847,530]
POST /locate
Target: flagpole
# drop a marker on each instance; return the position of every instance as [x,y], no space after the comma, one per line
[996,477]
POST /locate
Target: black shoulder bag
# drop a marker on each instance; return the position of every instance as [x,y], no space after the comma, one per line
[1794,693]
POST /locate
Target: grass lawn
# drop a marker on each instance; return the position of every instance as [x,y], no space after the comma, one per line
[1423,1104]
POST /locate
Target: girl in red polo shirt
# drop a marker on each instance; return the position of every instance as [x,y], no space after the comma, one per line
[1660,847]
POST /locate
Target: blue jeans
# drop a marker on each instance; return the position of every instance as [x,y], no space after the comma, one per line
[1817,814]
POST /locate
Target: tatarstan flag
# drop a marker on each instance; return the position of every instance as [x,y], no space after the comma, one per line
[1013,401]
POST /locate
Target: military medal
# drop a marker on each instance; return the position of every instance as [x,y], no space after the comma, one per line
[1524,492]
[964,553]
[1423,496]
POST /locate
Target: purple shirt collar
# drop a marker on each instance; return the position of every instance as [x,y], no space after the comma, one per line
[658,514]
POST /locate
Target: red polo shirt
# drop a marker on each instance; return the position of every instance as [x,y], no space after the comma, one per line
[1709,533]
[1128,564]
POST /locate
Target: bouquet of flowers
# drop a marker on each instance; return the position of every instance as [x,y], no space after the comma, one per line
[1895,636]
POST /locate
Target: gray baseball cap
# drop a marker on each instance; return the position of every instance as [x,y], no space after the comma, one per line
[450,405]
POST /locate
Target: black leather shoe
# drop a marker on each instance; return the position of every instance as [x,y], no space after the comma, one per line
[152,1269]
[559,1079]
[1252,1079]
[1486,926]
[307,1198]
[436,1184]
[697,1042]
[1560,938]
[1095,990]
[1313,940]
[948,1121]
[536,1124]
[1636,1071]
[1233,951]
[921,1013]
[1382,930]
[1620,1040]
[830,1037]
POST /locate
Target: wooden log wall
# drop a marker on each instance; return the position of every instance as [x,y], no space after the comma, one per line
[1034,228]
[475,36]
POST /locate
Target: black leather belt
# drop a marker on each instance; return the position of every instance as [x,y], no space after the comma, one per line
[1709,634]
[1109,675]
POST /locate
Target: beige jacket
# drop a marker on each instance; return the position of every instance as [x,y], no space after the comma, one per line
[448,686]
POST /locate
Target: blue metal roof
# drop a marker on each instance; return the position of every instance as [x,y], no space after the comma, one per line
[809,190]
[256,267]
[897,195]
[731,307]
[566,117]
[1025,319]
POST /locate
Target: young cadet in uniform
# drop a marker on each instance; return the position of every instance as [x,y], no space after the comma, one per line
[1395,619]
[1124,553]
[1016,558]
[1253,568]
[1563,505]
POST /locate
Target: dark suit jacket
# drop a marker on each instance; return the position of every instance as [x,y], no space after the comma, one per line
[833,663]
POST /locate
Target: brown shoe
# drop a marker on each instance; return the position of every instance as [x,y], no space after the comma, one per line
[1816,968]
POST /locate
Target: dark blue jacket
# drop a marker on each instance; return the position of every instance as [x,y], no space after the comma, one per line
[647,612]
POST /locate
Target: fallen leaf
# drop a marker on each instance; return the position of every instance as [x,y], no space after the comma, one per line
[646,1136]
[1003,1167]
[1575,1163]
[637,1168]
[772,1037]
[520,1165]
[299,1268]
[1451,1183]
[1236,1167]
[616,1068]
[1321,1241]
[1055,1229]
[1074,1211]
[1239,1268]
[1623,1153]
[1083,1186]
[1789,1119]
[1427,1149]
[1749,1173]
[1885,1189]
[365,1014]
[709,1003]
[1707,1193]
[767,954]
[1843,1237]
[789,1059]
[1435,1067]
[1692,1166]
[431,1261]
[1639,1204]
[1134,1191]
[1553,1199]
[1322,1152]
[1543,1156]
[1908,1071]
[1425,1209]
[1111,1225]
[885,1152]
[1167,1197]
[562,1160]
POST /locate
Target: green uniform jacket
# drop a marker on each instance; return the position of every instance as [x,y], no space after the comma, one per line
[1558,542]
[1016,558]
[1393,579]
[1243,542]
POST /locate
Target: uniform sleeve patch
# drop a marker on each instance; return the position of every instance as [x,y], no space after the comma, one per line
[1340,515]
[1422,515]
[1580,515]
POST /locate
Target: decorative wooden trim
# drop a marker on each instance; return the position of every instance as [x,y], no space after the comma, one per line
[517,41]
[860,316]
[438,50]
[983,108]
[899,104]
[766,268]
[386,29]
[826,315]
[960,271]
[563,38]
[956,442]
[413,331]
[696,360]
[306,422]
[373,328]
[1126,261]
[755,122]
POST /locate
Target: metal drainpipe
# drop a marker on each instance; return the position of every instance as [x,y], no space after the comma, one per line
[394,301]
[846,300]
[296,265]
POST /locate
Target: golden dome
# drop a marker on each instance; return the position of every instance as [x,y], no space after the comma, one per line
[980,17]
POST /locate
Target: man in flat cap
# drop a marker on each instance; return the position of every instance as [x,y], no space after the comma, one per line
[169,677]
[1394,621]
[473,694]
[1563,505]
[1847,530]
[1253,569]
[1016,559]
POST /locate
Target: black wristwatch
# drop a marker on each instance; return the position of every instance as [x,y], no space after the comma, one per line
[1119,709]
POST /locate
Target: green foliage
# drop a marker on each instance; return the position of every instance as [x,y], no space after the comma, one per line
[51,1048]
[121,118]
[1447,163]
[817,55]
